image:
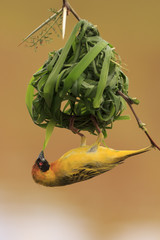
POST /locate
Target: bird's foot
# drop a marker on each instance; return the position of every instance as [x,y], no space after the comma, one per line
[95,145]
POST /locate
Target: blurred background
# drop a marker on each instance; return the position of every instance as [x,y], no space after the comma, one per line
[121,204]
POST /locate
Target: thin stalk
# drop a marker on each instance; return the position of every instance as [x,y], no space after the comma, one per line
[44,23]
[45,32]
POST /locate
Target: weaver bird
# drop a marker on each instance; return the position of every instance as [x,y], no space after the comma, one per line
[80,164]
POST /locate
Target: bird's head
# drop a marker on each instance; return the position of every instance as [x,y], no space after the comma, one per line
[42,163]
[40,169]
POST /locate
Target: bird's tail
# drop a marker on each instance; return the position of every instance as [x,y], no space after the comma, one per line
[122,155]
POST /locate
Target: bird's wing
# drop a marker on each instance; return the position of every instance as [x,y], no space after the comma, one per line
[86,172]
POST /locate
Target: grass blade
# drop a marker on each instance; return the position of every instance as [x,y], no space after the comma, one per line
[49,130]
[30,94]
[103,77]
[82,65]
[50,84]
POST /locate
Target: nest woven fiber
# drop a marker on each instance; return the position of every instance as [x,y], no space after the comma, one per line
[80,80]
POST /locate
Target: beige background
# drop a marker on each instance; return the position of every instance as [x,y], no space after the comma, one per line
[121,204]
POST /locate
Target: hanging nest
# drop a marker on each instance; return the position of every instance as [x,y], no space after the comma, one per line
[80,80]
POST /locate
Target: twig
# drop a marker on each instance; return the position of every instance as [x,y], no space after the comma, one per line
[94,120]
[72,128]
[66,9]
[141,125]
[70,9]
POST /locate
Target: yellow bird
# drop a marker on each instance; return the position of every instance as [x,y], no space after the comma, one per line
[80,164]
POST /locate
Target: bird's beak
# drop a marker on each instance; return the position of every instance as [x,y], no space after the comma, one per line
[41,156]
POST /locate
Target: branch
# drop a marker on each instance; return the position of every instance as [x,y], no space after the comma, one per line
[70,9]
[66,9]
[141,125]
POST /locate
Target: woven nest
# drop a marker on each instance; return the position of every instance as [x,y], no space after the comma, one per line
[80,80]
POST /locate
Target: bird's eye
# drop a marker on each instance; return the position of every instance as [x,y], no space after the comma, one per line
[43,164]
